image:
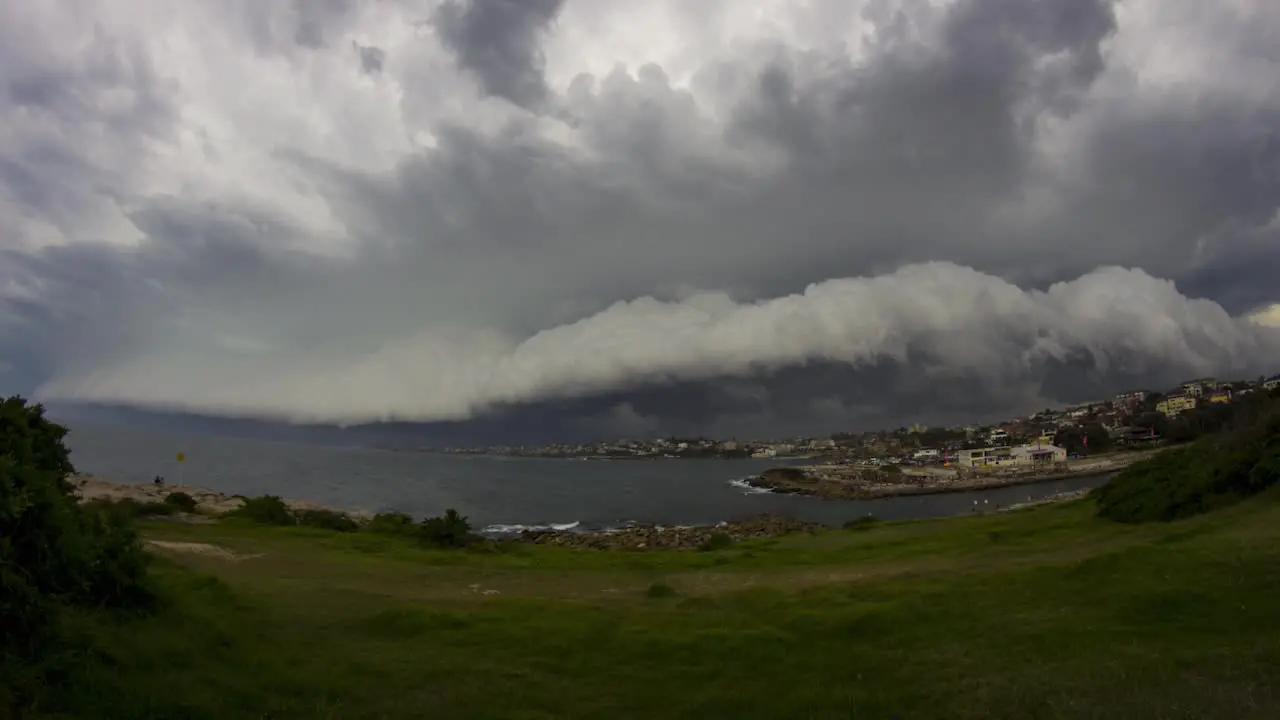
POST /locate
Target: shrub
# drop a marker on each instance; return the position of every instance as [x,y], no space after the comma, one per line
[54,553]
[866,522]
[392,523]
[328,520]
[1211,473]
[448,530]
[181,501]
[718,541]
[265,509]
[891,469]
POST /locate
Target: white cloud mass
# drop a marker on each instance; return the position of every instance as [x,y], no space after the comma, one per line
[346,211]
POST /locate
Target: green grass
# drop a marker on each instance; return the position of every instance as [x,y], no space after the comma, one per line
[1044,613]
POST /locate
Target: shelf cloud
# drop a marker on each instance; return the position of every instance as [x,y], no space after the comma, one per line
[641,217]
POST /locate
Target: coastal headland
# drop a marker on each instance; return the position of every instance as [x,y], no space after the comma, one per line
[859,482]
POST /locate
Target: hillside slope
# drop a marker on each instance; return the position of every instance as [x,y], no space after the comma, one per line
[1044,613]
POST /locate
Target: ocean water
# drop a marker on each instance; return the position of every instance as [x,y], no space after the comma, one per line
[498,493]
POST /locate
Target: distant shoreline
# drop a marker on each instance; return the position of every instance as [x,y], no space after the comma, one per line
[802,481]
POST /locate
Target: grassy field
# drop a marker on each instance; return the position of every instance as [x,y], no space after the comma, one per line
[1045,613]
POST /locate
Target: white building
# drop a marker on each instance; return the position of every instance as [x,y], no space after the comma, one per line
[1004,456]
[1040,454]
[927,455]
[1272,383]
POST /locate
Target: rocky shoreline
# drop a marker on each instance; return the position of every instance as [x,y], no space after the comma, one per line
[211,503]
[844,482]
[656,537]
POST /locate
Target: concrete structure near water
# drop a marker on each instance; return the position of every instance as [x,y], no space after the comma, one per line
[1004,456]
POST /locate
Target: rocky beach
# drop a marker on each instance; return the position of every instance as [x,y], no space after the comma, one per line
[211,504]
[852,482]
[655,537]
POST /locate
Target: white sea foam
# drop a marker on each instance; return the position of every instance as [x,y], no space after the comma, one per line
[747,488]
[500,529]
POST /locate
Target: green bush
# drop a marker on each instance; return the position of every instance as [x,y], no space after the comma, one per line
[448,530]
[1211,473]
[265,509]
[54,553]
[181,501]
[718,541]
[392,523]
[328,520]
[891,469]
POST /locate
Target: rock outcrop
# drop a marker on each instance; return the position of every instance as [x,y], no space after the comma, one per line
[208,502]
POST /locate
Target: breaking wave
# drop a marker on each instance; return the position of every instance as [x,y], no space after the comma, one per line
[501,529]
[744,484]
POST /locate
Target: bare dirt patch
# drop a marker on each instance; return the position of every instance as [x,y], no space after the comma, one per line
[203,549]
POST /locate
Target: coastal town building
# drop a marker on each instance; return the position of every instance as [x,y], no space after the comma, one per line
[1199,387]
[1079,411]
[985,457]
[921,445]
[1130,400]
[1133,435]
[1039,454]
[1175,405]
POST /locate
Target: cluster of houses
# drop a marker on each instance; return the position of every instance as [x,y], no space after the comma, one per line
[1024,442]
[1111,415]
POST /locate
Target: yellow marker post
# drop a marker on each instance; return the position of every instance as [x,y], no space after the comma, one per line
[182,457]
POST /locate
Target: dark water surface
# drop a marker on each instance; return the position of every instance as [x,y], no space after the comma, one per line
[494,491]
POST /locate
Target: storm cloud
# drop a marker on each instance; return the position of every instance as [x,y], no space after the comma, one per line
[637,217]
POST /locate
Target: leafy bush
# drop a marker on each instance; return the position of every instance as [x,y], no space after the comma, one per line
[54,553]
[718,541]
[30,440]
[448,530]
[181,501]
[328,520]
[265,509]
[891,469]
[392,523]
[1211,473]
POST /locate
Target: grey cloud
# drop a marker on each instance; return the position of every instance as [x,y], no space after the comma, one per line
[483,277]
[371,58]
[499,41]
